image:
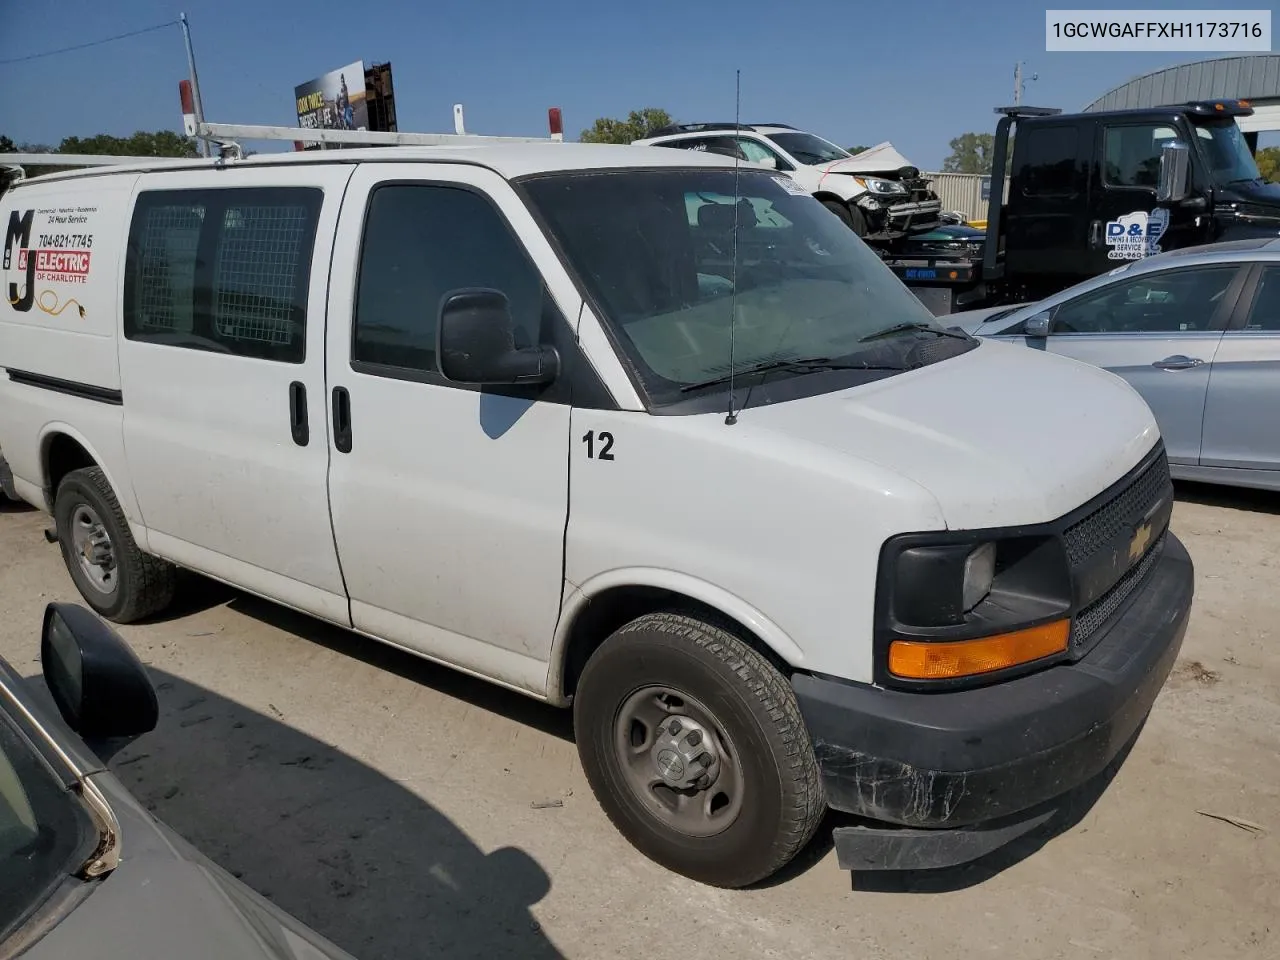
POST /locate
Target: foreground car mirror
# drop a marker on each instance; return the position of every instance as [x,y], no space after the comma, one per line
[1037,326]
[98,683]
[475,343]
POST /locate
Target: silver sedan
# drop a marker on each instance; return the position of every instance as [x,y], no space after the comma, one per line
[1196,332]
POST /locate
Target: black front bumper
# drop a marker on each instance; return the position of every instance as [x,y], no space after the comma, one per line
[962,759]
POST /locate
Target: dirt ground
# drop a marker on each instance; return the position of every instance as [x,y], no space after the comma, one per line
[406,811]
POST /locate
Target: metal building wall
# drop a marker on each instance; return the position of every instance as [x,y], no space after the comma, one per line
[1250,78]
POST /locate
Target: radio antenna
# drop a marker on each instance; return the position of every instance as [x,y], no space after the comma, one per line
[732,417]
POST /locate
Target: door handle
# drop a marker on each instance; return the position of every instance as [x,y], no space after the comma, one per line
[342,419]
[298,413]
[1177,362]
[1095,234]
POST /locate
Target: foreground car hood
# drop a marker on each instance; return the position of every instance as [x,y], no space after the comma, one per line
[1001,435]
[166,900]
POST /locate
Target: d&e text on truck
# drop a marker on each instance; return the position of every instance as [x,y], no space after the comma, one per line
[480,403]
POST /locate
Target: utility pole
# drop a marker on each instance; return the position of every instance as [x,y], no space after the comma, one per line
[195,83]
[1019,85]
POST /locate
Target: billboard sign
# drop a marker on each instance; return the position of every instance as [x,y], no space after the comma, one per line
[335,101]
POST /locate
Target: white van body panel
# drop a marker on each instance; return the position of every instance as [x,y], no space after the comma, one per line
[221,485]
[449,510]
[948,427]
[67,330]
[735,508]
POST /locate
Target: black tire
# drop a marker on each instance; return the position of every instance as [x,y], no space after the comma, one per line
[143,584]
[850,216]
[752,704]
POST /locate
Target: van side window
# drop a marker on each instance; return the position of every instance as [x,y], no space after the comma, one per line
[420,242]
[222,270]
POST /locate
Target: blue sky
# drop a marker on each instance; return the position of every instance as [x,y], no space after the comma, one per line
[851,71]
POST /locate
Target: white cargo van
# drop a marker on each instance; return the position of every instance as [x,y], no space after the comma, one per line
[615,427]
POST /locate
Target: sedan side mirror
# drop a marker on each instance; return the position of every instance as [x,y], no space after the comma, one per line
[1037,326]
[475,342]
[1175,168]
[98,683]
[769,161]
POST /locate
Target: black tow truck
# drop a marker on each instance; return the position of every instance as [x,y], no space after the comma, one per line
[1090,191]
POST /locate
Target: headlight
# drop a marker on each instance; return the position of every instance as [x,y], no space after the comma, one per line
[960,607]
[876,185]
[979,574]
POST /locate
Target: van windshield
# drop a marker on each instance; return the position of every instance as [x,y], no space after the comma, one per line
[1226,152]
[655,250]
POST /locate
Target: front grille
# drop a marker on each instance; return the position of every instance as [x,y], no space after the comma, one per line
[1088,620]
[1087,536]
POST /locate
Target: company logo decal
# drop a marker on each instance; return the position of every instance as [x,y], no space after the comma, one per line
[1136,235]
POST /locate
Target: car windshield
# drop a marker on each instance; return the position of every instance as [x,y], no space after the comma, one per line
[807,148]
[44,831]
[1226,151]
[655,250]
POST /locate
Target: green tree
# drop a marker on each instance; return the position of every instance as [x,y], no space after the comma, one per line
[1269,163]
[970,153]
[638,125]
[162,143]
[856,150]
[7,145]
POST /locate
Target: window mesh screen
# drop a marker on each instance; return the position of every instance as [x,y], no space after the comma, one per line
[170,236]
[257,271]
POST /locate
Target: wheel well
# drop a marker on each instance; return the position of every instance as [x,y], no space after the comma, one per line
[605,613]
[62,455]
[824,197]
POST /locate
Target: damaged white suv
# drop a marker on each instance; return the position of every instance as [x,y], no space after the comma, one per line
[877,193]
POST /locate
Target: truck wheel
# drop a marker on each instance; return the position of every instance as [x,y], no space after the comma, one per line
[694,746]
[851,216]
[115,578]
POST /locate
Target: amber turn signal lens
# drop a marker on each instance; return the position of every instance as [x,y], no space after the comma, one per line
[921,660]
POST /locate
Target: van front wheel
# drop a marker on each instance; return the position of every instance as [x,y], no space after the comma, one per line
[116,579]
[693,744]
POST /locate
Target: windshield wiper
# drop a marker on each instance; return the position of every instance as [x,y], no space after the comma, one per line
[920,325]
[799,364]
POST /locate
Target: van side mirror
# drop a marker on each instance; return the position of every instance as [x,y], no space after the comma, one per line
[1175,169]
[97,682]
[1037,327]
[475,342]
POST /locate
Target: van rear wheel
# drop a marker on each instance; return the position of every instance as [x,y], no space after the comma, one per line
[694,746]
[113,575]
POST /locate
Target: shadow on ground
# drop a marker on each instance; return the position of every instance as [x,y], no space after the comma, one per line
[351,853]
[1231,498]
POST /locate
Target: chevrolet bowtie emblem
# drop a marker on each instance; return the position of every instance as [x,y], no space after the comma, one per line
[1138,545]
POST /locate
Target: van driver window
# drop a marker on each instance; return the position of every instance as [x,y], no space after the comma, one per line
[420,242]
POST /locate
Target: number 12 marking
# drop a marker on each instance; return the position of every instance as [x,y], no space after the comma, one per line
[606,445]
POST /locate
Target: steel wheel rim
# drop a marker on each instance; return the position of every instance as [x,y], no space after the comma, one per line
[658,765]
[93,550]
